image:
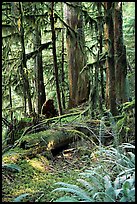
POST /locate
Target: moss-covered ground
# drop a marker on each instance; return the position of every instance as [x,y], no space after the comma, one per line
[38,175]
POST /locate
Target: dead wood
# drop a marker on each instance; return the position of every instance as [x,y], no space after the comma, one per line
[47,141]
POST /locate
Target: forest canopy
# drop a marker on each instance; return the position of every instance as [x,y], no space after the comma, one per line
[32,72]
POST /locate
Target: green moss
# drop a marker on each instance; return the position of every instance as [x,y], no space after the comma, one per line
[37,176]
[13,155]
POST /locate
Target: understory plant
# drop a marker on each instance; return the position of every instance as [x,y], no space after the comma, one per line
[96,184]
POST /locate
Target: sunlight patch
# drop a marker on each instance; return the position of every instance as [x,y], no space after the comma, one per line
[39,165]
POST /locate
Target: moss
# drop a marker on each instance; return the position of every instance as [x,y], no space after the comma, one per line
[13,155]
[37,176]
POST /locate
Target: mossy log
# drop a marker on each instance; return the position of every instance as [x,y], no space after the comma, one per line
[47,141]
[52,140]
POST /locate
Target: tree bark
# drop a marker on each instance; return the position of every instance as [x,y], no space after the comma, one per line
[10,99]
[55,59]
[78,83]
[23,68]
[120,54]
[38,66]
[100,40]
[62,65]
[110,63]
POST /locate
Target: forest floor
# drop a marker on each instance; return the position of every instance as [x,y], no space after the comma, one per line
[38,175]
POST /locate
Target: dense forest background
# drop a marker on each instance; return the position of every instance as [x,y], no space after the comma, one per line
[79,55]
[29,73]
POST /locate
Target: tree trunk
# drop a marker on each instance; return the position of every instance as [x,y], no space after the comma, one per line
[110,63]
[23,68]
[78,83]
[40,89]
[10,99]
[100,40]
[120,55]
[62,64]
[55,59]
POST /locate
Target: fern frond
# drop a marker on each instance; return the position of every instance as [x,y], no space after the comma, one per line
[80,193]
[109,199]
[66,199]
[86,184]
[19,198]
[107,181]
[127,145]
[93,176]
[11,167]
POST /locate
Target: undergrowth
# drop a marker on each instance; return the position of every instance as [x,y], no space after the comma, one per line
[114,183]
[91,174]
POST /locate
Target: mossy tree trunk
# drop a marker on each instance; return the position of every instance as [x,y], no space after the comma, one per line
[120,54]
[110,63]
[23,67]
[62,64]
[100,40]
[78,83]
[55,59]
[38,68]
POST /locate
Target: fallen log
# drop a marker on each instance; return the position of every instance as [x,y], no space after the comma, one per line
[52,140]
[47,141]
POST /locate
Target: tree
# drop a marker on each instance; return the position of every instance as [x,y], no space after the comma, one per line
[11,60]
[55,58]
[62,64]
[78,83]
[120,55]
[23,67]
[38,67]
[86,51]
[100,40]
[110,62]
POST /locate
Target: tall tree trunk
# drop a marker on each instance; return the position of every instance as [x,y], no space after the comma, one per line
[23,68]
[120,54]
[100,40]
[55,58]
[62,64]
[78,83]
[10,99]
[110,63]
[40,89]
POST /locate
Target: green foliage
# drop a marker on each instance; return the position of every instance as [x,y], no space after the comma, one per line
[22,196]
[11,167]
[111,120]
[126,125]
[113,179]
[80,193]
[34,12]
[66,199]
[101,188]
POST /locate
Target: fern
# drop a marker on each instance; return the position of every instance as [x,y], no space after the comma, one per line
[22,196]
[96,182]
[86,184]
[107,198]
[11,167]
[101,188]
[66,199]
[77,191]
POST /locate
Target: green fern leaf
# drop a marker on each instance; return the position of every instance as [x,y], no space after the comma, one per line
[96,181]
[101,198]
[11,167]
[19,198]
[86,184]
[80,193]
[66,199]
